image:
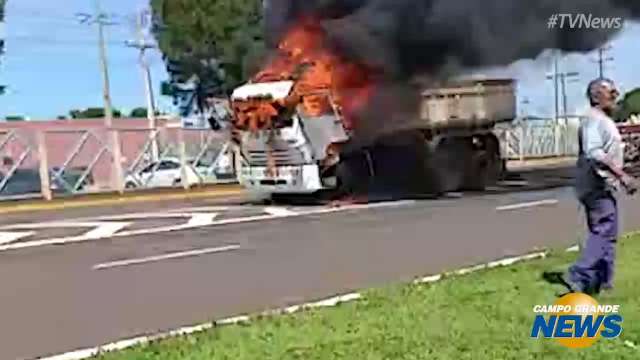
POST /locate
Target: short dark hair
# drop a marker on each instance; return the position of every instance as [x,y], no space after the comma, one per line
[594,87]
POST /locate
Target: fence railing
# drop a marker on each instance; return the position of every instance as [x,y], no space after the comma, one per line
[545,139]
[80,161]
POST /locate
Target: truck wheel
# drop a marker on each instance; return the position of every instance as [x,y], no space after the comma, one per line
[448,165]
[486,167]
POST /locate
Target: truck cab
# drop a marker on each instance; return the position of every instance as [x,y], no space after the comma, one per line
[290,156]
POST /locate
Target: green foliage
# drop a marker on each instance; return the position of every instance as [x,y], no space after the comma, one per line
[210,46]
[92,113]
[139,113]
[629,105]
[15,118]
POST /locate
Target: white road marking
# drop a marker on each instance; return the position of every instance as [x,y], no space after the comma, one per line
[528,205]
[429,279]
[9,237]
[106,230]
[53,224]
[170,256]
[192,224]
[202,219]
[101,229]
[143,216]
[490,265]
[516,259]
[279,211]
[575,248]
[213,208]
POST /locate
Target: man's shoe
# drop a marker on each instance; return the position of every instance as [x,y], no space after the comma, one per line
[558,278]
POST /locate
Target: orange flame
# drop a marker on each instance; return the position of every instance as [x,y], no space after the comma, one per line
[304,57]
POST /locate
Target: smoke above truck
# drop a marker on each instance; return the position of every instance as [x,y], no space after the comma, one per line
[409,38]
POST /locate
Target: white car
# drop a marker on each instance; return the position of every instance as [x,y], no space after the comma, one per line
[164,173]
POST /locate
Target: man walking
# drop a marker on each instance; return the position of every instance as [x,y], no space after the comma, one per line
[599,176]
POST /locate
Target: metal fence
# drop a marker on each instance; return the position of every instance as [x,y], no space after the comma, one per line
[79,161]
[48,163]
[540,139]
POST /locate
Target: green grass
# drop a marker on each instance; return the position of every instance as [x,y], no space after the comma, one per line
[486,315]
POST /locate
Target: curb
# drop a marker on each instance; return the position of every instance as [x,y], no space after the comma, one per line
[18,206]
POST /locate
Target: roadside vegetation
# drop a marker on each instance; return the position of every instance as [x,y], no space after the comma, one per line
[485,315]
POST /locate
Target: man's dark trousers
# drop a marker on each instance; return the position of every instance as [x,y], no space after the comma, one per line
[595,268]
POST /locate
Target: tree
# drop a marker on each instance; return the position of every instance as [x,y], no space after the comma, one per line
[209,46]
[15,118]
[139,113]
[92,113]
[629,105]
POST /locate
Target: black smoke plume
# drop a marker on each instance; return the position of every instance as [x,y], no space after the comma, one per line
[408,38]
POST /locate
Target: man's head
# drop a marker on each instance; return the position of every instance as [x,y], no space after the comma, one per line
[603,94]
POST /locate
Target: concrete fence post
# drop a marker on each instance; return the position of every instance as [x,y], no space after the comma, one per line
[118,174]
[521,142]
[45,183]
[183,159]
[556,137]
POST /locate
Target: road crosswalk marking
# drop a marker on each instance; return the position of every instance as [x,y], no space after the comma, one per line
[14,237]
[11,236]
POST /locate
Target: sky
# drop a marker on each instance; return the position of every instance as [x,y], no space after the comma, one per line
[52,60]
[51,63]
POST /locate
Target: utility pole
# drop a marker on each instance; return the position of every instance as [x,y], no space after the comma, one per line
[556,126]
[560,90]
[566,77]
[603,59]
[142,45]
[101,19]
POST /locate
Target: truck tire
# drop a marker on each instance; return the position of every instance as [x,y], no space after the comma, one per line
[353,175]
[486,167]
[447,165]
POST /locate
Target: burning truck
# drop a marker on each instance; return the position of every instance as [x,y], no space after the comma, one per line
[298,123]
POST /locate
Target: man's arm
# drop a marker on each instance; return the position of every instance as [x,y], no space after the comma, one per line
[594,148]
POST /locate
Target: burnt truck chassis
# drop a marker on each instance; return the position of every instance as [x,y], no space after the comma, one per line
[454,147]
[420,162]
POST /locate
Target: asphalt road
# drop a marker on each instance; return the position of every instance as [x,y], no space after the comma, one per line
[75,280]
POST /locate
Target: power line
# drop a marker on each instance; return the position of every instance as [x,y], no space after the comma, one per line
[22,13]
[50,40]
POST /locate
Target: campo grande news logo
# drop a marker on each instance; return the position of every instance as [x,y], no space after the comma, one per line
[576,321]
